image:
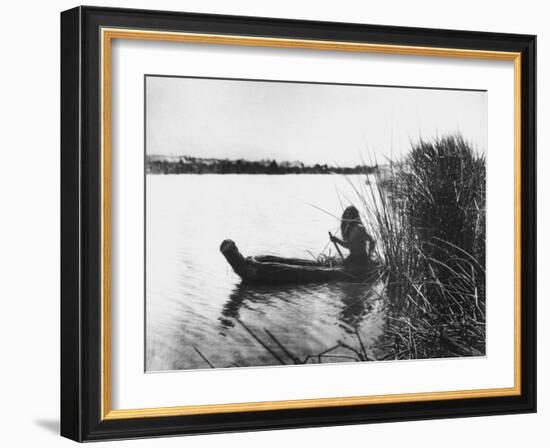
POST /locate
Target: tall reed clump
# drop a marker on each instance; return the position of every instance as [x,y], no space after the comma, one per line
[427,212]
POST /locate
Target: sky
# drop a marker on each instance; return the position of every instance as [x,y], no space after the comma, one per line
[340,125]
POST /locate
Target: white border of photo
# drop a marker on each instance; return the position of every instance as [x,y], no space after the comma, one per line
[132,387]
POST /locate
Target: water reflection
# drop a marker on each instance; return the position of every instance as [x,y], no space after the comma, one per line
[352,302]
[355,303]
[195,300]
[244,295]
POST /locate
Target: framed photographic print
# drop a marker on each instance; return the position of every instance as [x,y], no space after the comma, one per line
[272,223]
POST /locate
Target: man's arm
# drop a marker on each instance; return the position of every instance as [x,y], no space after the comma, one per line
[372,243]
[338,241]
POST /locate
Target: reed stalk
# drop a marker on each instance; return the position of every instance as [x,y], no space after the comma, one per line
[427,213]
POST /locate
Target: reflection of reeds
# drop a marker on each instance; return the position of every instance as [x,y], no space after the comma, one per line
[204,358]
[340,351]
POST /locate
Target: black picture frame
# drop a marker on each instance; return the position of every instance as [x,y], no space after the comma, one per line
[81,224]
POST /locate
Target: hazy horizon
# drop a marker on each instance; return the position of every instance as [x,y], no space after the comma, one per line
[331,124]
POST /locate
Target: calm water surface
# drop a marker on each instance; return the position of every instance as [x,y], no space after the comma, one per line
[195,300]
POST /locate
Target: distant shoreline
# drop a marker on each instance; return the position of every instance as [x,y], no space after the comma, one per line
[158,164]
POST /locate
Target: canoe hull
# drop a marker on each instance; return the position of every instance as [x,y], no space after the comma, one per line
[269,269]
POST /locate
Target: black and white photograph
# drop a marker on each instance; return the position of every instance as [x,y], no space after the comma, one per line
[292,223]
[283,219]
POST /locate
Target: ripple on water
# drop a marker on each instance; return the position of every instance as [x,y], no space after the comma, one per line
[195,301]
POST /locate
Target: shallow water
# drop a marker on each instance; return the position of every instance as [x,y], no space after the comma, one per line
[195,302]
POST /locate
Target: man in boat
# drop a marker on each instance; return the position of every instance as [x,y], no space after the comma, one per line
[355,238]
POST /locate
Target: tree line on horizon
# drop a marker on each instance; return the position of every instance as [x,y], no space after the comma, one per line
[196,165]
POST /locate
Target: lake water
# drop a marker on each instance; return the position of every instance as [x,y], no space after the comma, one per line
[194,301]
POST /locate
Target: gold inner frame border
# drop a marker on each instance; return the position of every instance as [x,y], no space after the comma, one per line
[107,36]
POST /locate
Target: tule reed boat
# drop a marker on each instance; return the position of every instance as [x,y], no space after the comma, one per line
[270,269]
